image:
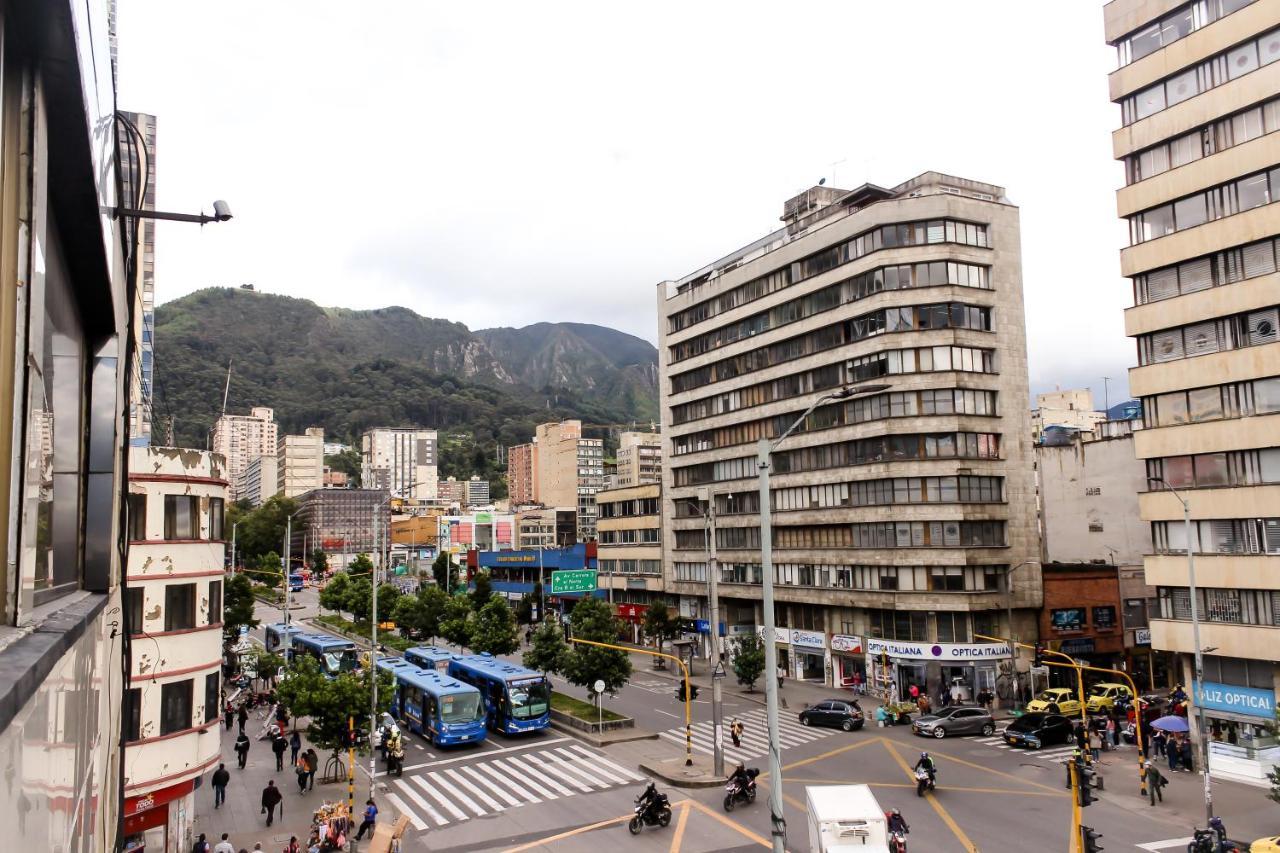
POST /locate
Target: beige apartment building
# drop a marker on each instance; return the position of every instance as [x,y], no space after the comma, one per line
[520,474]
[639,459]
[401,461]
[567,471]
[1198,87]
[897,516]
[300,462]
[241,439]
[259,481]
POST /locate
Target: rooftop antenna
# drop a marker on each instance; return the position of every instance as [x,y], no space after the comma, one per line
[833,169]
[1106,394]
[227,388]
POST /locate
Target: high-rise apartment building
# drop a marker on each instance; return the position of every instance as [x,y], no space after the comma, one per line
[1198,85]
[520,474]
[477,491]
[402,461]
[639,459]
[897,516]
[568,470]
[140,177]
[241,439]
[259,481]
[343,523]
[300,462]
[451,490]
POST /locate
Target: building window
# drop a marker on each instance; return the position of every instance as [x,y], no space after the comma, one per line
[953,627]
[1135,613]
[175,707]
[181,517]
[211,697]
[137,518]
[133,609]
[133,714]
[179,606]
[215,602]
[216,506]
[1104,618]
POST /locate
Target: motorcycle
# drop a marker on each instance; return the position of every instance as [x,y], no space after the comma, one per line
[735,792]
[924,781]
[652,809]
[395,758]
[1210,841]
[897,842]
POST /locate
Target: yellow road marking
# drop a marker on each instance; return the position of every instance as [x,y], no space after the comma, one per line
[580,830]
[933,801]
[824,756]
[973,790]
[679,836]
[734,825]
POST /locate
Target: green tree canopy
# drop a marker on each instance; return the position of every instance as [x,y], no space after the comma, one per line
[237,606]
[482,592]
[262,530]
[319,560]
[269,571]
[455,622]
[389,596]
[348,462]
[549,650]
[361,565]
[329,702]
[430,603]
[494,628]
[748,660]
[660,623]
[593,619]
[441,570]
[359,599]
[334,594]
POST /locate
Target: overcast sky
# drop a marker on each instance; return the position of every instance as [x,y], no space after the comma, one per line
[506,163]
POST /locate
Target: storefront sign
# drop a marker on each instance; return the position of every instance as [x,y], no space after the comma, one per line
[1240,700]
[151,799]
[846,643]
[1082,646]
[632,611]
[937,651]
[780,635]
[704,626]
[809,639]
[1142,636]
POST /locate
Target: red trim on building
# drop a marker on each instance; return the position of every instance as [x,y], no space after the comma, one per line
[164,577]
[175,478]
[152,676]
[195,771]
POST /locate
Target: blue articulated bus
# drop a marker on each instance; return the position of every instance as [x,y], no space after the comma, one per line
[429,657]
[278,635]
[442,709]
[295,582]
[334,654]
[516,699]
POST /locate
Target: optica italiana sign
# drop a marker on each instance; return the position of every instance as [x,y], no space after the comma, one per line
[937,651]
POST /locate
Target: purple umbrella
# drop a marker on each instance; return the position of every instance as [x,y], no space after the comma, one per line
[1171,724]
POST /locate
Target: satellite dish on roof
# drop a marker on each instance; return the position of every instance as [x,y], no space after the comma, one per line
[821,181]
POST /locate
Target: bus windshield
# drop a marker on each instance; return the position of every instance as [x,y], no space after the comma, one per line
[340,661]
[462,708]
[529,699]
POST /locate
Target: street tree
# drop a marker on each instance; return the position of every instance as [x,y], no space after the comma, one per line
[527,606]
[360,599]
[482,593]
[265,665]
[262,530]
[361,565]
[319,561]
[433,600]
[660,624]
[748,660]
[269,570]
[593,619]
[389,596]
[441,570]
[549,650]
[333,596]
[455,621]
[237,606]
[330,702]
[494,628]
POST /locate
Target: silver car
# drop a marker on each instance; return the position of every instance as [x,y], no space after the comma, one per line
[956,720]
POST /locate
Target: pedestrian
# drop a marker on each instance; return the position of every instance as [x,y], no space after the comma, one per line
[1173,752]
[278,745]
[1095,743]
[1155,782]
[857,681]
[781,673]
[914,691]
[224,846]
[295,745]
[271,797]
[242,716]
[370,816]
[292,846]
[957,694]
[228,714]
[1111,733]
[313,764]
[300,767]
[201,845]
[1082,739]
[1157,743]
[735,732]
[1185,756]
[219,781]
[242,748]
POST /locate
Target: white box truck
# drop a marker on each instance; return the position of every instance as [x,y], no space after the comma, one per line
[845,819]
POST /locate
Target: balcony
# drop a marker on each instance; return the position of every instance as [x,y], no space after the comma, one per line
[1256,642]
[1225,571]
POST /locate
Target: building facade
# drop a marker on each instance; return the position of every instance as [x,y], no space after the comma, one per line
[629,544]
[144,284]
[242,438]
[259,480]
[173,610]
[343,523]
[477,492]
[899,515]
[451,490]
[520,474]
[65,316]
[555,527]
[1198,88]
[639,459]
[300,462]
[567,470]
[1070,409]
[477,531]
[402,461]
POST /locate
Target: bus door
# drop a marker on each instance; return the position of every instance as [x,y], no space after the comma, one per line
[498,704]
[430,717]
[411,706]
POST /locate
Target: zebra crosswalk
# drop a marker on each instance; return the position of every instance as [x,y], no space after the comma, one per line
[1056,753]
[443,795]
[755,742]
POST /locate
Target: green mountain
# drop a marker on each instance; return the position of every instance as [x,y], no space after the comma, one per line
[349,370]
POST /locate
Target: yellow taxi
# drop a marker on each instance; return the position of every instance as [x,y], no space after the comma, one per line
[1104,696]
[1056,700]
[1270,844]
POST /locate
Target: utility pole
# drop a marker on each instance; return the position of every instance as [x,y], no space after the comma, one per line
[287,551]
[234,527]
[373,661]
[717,655]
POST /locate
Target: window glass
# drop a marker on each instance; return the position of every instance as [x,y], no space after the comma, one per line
[1266,395]
[1177,471]
[175,707]
[179,606]
[1190,212]
[1172,408]
[1242,60]
[1246,126]
[1269,47]
[137,518]
[1183,86]
[1144,41]
[1252,192]
[1211,469]
[1150,101]
[1156,223]
[1205,404]
[133,609]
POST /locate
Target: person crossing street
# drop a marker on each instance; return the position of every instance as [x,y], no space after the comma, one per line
[218,782]
[242,748]
[1155,782]
[271,797]
[735,732]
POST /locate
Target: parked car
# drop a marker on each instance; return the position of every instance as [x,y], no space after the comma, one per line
[1056,700]
[1037,729]
[1106,695]
[833,712]
[955,720]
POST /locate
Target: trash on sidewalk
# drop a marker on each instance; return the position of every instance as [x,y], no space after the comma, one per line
[386,837]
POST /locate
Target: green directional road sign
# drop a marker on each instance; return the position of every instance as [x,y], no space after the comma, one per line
[573,580]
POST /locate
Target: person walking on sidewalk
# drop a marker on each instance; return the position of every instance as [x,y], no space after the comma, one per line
[300,767]
[228,714]
[735,732]
[1095,743]
[781,672]
[201,845]
[313,764]
[370,817]
[271,797]
[295,745]
[1155,782]
[218,782]
[224,846]
[278,745]
[242,717]
[242,748]
[1185,755]
[292,846]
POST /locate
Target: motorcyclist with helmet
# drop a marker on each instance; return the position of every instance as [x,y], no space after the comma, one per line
[897,823]
[927,763]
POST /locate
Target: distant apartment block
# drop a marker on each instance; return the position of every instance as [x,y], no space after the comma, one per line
[520,474]
[546,528]
[341,522]
[400,460]
[300,462]
[333,448]
[241,439]
[335,479]
[451,490]
[477,492]
[629,533]
[568,470]
[639,459]
[259,480]
[1072,410]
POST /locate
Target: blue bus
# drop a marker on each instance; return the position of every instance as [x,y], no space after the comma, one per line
[334,655]
[429,657]
[278,635]
[442,709]
[516,699]
[295,582]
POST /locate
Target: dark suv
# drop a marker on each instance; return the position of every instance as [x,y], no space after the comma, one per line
[832,712]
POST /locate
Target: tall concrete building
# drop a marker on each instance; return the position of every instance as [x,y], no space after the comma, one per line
[300,462]
[568,470]
[402,461]
[242,438]
[897,516]
[477,491]
[520,474]
[140,177]
[1198,86]
[259,481]
[1071,409]
[639,459]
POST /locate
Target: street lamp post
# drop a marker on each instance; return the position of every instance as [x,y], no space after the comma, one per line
[234,528]
[1198,684]
[765,448]
[1013,636]
[713,611]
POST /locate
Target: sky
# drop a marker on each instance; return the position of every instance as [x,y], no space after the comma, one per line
[500,164]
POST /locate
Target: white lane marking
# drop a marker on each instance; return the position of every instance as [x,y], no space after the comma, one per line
[629,774]
[417,822]
[586,768]
[533,745]
[479,790]
[440,780]
[457,813]
[426,807]
[1152,846]
[495,783]
[668,713]
[526,778]
[530,770]
[550,766]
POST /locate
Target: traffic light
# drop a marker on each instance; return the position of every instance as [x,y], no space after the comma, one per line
[1089,840]
[1084,786]
[1038,659]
